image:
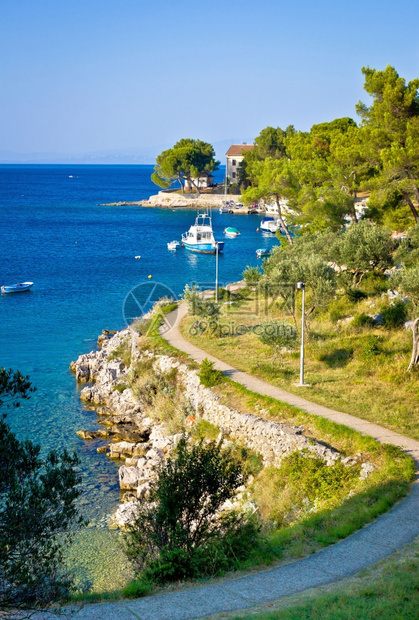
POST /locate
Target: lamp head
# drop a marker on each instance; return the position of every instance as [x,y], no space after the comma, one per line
[300,286]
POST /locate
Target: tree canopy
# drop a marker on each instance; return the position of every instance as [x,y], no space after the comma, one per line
[37,512]
[321,172]
[185,161]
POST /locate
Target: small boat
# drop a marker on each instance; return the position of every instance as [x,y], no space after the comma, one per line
[173,245]
[230,231]
[200,236]
[261,252]
[17,288]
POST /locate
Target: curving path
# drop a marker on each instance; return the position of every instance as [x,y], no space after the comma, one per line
[369,545]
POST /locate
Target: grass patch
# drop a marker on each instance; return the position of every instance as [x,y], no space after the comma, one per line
[359,370]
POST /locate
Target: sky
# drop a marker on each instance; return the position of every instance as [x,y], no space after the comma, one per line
[120,80]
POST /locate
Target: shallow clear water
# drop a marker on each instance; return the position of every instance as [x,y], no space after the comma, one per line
[81,258]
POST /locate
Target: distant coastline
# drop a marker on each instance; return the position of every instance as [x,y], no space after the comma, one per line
[167,200]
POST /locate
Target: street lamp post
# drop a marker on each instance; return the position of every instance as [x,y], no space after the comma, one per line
[302,287]
[216,272]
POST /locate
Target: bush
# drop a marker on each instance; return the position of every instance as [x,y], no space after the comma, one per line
[252,276]
[362,320]
[208,375]
[355,294]
[395,315]
[371,348]
[181,532]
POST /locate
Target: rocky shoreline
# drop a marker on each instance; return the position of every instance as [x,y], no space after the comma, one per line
[143,443]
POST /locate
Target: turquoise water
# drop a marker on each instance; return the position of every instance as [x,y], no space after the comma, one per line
[81,258]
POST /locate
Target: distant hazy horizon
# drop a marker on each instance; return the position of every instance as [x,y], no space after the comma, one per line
[101,81]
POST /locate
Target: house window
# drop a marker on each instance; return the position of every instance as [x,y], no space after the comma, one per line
[233,162]
[234,175]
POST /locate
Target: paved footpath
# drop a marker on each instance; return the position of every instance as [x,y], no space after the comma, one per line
[369,545]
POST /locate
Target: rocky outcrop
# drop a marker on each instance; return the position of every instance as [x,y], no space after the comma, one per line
[142,443]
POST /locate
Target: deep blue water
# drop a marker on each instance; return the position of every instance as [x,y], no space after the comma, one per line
[81,258]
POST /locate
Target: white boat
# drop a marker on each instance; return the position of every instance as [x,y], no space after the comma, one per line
[200,236]
[173,245]
[16,288]
[270,224]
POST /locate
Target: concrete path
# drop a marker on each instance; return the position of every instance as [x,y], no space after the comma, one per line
[367,546]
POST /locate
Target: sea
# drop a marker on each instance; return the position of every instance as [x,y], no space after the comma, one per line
[81,257]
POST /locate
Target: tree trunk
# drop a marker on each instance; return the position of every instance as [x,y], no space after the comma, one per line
[413,325]
[281,219]
[179,178]
[411,205]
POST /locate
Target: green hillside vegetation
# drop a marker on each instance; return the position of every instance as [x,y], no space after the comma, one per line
[322,171]
[357,347]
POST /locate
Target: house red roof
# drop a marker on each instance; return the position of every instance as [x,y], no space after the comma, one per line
[237,149]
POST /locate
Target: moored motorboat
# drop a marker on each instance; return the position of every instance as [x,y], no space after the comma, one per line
[262,252]
[173,245]
[269,224]
[16,288]
[200,236]
[230,231]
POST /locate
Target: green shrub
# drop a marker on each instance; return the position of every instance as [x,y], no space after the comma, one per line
[137,588]
[362,320]
[395,315]
[355,294]
[208,375]
[371,348]
[311,477]
[224,295]
[252,276]
[177,535]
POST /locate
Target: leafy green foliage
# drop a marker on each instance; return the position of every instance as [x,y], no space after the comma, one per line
[208,375]
[198,306]
[185,161]
[371,348]
[362,320]
[180,532]
[277,335]
[313,478]
[407,281]
[37,512]
[391,127]
[364,247]
[252,276]
[14,387]
[394,315]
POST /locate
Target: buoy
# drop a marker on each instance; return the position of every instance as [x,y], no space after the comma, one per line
[138,256]
[150,276]
[257,229]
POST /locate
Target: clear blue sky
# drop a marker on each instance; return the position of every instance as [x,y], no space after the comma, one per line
[83,76]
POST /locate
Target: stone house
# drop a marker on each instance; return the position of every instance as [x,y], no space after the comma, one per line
[234,158]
